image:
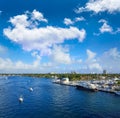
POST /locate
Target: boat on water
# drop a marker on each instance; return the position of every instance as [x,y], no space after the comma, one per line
[87,86]
[57,81]
[61,81]
[65,80]
[21,99]
[31,89]
[117,92]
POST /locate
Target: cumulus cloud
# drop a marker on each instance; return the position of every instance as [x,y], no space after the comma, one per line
[28,19]
[7,65]
[109,60]
[61,55]
[105,27]
[36,15]
[19,20]
[77,19]
[68,21]
[91,62]
[39,38]
[97,6]
[43,39]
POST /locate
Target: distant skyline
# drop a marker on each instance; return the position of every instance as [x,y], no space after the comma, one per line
[45,36]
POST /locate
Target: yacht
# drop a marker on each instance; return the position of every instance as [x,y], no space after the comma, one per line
[86,86]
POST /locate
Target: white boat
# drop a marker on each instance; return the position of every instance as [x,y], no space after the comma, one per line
[117,92]
[86,86]
[31,89]
[56,81]
[21,99]
[65,80]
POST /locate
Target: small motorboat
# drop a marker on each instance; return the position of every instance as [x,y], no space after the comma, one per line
[21,99]
[31,89]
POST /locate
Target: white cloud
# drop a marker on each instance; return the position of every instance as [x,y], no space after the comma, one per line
[37,66]
[19,20]
[100,6]
[40,41]
[9,66]
[61,55]
[110,60]
[113,53]
[77,19]
[106,28]
[43,39]
[79,10]
[68,21]
[92,62]
[28,19]
[102,21]
[36,15]
[39,38]
[90,54]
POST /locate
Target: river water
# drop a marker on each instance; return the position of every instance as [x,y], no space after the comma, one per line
[50,100]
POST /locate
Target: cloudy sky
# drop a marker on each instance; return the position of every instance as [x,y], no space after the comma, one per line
[41,36]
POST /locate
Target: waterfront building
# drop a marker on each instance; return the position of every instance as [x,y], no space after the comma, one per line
[104,72]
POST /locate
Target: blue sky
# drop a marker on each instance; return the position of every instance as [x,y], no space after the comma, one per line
[59,36]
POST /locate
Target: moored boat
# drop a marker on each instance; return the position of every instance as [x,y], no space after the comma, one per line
[117,92]
[87,86]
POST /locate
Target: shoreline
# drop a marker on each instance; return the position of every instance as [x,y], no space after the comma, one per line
[93,85]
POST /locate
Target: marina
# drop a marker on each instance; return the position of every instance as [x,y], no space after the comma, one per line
[104,85]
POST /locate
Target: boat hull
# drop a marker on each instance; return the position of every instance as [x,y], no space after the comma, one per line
[84,88]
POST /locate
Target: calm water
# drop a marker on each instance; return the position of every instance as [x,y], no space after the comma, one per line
[50,100]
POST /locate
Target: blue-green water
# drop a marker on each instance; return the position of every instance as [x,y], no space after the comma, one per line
[50,100]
